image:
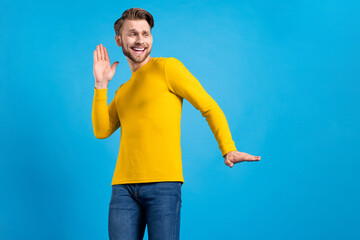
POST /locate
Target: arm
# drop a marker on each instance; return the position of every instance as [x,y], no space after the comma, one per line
[182,83]
[104,118]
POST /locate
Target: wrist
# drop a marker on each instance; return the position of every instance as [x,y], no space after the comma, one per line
[100,85]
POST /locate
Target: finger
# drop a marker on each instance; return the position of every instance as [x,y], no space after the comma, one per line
[95,57]
[98,52]
[229,163]
[114,65]
[253,159]
[106,55]
[102,51]
[249,157]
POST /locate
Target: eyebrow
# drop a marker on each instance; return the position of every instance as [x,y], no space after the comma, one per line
[134,30]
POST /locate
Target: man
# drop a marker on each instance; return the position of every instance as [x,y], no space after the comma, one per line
[147,181]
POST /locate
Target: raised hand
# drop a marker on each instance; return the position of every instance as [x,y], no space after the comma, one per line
[103,71]
[235,157]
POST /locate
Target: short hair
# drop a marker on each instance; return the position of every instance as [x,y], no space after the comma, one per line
[133,14]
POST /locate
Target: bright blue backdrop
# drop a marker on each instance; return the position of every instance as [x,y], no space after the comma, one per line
[285,73]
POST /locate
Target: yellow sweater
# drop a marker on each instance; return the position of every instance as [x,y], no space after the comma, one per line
[147,108]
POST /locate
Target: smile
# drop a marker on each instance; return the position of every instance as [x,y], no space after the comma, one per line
[138,51]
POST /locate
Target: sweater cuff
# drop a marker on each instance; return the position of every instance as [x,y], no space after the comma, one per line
[100,94]
[228,148]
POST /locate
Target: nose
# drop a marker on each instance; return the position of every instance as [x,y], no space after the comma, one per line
[139,39]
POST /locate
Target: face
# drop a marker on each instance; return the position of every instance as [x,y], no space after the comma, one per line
[136,34]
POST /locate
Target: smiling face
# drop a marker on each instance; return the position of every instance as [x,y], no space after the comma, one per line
[136,41]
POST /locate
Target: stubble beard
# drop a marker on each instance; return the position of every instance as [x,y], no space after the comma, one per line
[134,58]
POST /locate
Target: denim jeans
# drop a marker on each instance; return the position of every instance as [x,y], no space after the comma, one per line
[156,204]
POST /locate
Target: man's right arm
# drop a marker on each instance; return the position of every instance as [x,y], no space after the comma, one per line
[105,119]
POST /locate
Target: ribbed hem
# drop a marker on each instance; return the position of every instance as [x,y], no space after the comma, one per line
[129,181]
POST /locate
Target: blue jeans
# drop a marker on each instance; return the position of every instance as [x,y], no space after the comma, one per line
[156,204]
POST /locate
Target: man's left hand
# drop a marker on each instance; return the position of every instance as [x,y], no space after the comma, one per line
[235,157]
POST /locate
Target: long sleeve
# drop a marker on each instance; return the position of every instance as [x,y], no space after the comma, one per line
[104,118]
[182,83]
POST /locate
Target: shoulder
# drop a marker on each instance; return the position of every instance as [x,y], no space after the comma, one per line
[118,88]
[172,62]
[166,63]
[166,60]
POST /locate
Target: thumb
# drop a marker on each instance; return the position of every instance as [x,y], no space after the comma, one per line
[115,65]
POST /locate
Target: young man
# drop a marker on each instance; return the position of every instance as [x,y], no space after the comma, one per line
[147,181]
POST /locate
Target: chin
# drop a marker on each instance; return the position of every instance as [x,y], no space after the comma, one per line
[139,60]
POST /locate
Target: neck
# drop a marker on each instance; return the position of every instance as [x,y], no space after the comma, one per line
[135,65]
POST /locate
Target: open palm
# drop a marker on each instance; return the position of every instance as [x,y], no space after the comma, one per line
[103,71]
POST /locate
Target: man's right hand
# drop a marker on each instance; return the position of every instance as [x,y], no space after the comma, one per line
[103,71]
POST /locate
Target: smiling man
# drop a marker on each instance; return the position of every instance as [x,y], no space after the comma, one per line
[147,181]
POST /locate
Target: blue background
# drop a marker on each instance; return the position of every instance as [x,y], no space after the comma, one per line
[285,73]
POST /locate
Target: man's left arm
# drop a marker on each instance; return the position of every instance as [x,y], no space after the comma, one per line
[182,83]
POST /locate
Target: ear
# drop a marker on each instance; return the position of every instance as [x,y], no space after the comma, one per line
[118,40]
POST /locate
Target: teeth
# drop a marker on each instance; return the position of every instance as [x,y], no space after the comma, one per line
[140,49]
